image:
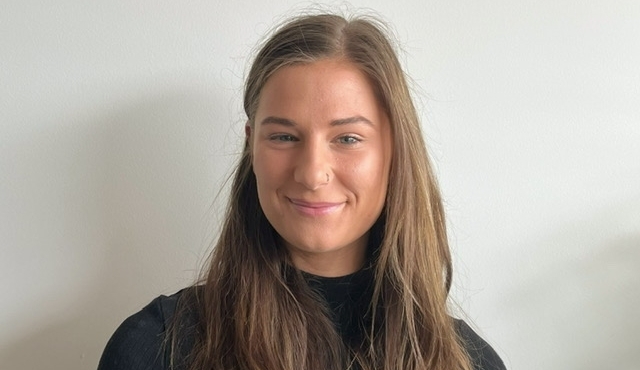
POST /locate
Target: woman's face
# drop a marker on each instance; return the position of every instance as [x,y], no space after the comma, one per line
[321,151]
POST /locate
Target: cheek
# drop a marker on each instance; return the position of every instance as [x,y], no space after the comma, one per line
[261,170]
[268,169]
[264,184]
[369,175]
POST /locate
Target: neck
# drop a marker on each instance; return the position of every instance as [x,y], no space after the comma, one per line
[327,267]
[344,261]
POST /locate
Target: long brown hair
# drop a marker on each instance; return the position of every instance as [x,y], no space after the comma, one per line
[255,311]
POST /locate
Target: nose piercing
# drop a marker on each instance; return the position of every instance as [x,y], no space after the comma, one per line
[327,177]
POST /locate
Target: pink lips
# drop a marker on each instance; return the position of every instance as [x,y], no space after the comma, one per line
[314,208]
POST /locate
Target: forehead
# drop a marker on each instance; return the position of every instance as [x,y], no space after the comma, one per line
[327,89]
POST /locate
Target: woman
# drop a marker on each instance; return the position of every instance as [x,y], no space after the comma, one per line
[334,253]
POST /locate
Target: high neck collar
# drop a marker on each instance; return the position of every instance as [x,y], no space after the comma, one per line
[348,298]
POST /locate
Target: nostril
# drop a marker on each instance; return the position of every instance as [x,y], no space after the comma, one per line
[311,177]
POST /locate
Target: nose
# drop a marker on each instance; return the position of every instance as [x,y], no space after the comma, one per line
[313,169]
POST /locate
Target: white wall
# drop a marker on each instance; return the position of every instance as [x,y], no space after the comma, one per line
[120,119]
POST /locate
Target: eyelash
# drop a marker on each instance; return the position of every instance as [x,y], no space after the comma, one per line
[283,138]
[344,140]
[352,140]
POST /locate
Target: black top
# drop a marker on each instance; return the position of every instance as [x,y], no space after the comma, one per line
[139,342]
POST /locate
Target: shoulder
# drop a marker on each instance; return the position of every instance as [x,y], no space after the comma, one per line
[482,355]
[139,342]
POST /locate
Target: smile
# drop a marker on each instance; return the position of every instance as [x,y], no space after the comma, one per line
[315,208]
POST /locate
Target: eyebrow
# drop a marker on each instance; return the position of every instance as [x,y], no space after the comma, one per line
[336,122]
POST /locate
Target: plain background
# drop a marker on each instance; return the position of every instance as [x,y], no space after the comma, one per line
[120,120]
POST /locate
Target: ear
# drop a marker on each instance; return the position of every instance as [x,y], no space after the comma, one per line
[248,142]
[248,131]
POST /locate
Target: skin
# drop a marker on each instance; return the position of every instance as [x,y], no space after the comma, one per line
[321,151]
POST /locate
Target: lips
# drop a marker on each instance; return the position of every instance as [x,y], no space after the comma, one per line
[315,208]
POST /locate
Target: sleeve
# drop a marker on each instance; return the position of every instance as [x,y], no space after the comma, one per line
[482,355]
[138,342]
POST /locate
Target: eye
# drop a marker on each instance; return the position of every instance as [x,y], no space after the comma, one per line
[282,138]
[349,140]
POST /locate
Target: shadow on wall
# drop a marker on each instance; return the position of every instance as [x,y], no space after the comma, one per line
[580,311]
[150,176]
